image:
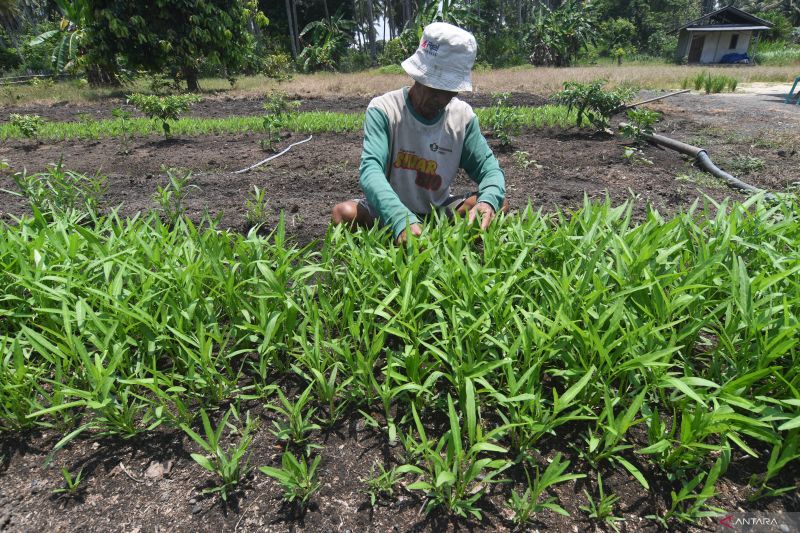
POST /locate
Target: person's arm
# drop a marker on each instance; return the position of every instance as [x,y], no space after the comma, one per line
[482,167]
[373,171]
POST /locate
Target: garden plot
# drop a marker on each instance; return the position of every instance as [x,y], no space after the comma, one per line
[612,348]
[547,167]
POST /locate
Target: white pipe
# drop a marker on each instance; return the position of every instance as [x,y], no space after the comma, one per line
[270,158]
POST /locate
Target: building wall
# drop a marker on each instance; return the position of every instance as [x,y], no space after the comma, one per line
[683,45]
[717,43]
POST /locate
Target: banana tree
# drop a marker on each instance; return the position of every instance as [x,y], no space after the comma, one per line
[75,14]
[329,39]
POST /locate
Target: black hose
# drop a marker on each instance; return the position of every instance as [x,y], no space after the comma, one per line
[705,162]
[702,159]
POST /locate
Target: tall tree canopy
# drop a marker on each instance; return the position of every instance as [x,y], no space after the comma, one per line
[175,35]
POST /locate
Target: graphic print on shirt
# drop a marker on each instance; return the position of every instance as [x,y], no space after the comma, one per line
[427,178]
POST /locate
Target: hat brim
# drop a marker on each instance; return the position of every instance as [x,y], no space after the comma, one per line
[436,78]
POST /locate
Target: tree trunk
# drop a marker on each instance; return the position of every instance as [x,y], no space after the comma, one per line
[98,76]
[291,28]
[407,13]
[296,26]
[190,74]
[390,16]
[371,29]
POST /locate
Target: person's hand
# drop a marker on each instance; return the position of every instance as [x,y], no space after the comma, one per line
[485,211]
[416,229]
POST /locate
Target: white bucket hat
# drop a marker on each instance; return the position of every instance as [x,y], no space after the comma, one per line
[444,58]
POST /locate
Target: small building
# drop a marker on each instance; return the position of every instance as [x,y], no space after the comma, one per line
[725,32]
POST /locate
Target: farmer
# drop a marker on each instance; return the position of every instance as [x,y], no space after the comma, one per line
[416,139]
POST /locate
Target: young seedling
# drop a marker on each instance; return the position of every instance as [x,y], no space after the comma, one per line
[524,160]
[298,479]
[603,508]
[163,108]
[125,134]
[504,121]
[453,476]
[298,425]
[641,124]
[256,207]
[72,485]
[231,464]
[530,502]
[280,110]
[171,196]
[381,484]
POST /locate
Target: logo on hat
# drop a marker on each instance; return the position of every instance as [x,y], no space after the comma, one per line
[430,47]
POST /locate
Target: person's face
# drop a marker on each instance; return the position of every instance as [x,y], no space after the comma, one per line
[433,100]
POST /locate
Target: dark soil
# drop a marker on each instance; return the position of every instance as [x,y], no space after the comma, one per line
[124,490]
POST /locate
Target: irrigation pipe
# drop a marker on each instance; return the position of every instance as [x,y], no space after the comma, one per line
[703,161]
[625,107]
[270,158]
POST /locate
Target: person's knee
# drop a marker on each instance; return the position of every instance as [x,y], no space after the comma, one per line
[344,213]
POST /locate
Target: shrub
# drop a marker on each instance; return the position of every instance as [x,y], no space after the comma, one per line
[592,103]
[781,26]
[279,111]
[504,121]
[163,108]
[642,122]
[28,125]
[278,66]
[399,48]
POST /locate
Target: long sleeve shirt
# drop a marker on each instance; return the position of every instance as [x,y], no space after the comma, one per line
[408,162]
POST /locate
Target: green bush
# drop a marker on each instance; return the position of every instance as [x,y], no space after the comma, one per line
[398,49]
[781,26]
[28,125]
[592,102]
[777,53]
[391,69]
[9,59]
[641,124]
[355,61]
[501,50]
[278,66]
[711,84]
[504,121]
[163,108]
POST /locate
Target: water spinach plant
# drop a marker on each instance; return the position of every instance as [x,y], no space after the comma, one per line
[671,343]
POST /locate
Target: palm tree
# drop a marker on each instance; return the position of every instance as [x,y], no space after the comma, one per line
[371,29]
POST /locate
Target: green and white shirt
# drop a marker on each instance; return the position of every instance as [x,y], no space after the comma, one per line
[408,162]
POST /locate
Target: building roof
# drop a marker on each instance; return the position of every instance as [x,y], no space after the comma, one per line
[729,16]
[726,27]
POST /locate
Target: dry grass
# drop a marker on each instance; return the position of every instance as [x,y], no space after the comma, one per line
[543,81]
